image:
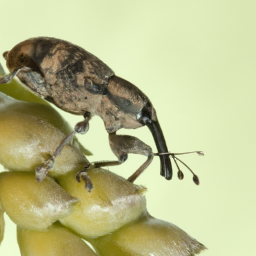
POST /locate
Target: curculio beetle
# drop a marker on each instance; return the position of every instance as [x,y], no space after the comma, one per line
[78,82]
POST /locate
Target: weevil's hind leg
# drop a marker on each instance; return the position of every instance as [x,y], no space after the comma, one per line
[81,127]
[134,176]
[122,145]
[7,78]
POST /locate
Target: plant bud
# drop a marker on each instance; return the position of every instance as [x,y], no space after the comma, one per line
[147,236]
[30,132]
[31,204]
[112,203]
[56,241]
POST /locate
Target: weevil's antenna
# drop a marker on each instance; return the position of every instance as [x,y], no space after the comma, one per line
[180,173]
[200,153]
[195,178]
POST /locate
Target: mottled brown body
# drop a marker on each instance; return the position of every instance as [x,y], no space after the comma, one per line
[61,72]
[79,83]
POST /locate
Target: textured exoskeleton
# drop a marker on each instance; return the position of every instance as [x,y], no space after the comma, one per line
[80,83]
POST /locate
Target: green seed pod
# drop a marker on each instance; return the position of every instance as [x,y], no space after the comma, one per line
[56,241]
[112,203]
[30,204]
[30,132]
[148,236]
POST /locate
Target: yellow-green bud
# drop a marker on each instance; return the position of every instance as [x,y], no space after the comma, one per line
[147,236]
[112,203]
[56,241]
[30,132]
[31,204]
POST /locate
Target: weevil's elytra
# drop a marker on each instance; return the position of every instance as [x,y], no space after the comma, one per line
[79,83]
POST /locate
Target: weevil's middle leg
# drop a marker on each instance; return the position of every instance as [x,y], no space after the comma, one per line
[122,145]
[81,127]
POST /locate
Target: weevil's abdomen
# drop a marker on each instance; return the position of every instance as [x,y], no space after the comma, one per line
[54,55]
[64,69]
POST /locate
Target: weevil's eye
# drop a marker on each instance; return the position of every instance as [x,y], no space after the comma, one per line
[5,55]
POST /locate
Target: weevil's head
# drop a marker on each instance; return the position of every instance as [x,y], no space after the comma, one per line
[21,55]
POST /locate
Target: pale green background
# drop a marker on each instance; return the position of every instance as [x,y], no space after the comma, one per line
[196,62]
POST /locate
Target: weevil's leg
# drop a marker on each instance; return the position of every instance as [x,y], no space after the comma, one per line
[122,145]
[134,176]
[84,175]
[81,127]
[7,78]
[121,159]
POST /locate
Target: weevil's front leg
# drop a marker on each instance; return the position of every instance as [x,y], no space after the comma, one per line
[122,145]
[7,78]
[81,127]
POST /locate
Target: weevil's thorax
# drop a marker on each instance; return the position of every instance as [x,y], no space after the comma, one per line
[123,105]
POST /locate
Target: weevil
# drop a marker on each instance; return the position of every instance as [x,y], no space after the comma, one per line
[78,82]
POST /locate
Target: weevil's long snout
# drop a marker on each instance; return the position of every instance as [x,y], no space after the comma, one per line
[166,166]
